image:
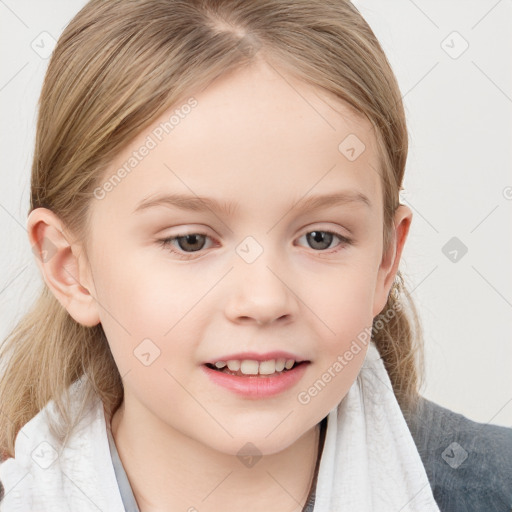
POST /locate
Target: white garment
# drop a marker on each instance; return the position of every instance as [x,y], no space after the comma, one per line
[369,462]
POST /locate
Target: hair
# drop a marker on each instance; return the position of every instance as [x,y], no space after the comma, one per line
[118,66]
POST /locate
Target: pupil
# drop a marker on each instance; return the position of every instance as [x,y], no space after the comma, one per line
[320,237]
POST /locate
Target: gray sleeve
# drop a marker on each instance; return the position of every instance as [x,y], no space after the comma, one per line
[468,464]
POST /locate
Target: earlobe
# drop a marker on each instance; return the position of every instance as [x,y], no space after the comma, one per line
[59,265]
[391,258]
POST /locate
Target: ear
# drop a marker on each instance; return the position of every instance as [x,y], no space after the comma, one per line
[59,263]
[391,258]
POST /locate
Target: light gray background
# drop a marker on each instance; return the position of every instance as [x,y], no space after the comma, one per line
[458,180]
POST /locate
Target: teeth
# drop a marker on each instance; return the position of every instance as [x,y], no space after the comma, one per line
[234,366]
[267,367]
[248,367]
[280,364]
[252,367]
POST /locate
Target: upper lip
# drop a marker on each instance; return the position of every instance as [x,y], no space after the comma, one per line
[254,356]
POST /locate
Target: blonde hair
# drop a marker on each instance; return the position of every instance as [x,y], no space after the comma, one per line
[118,66]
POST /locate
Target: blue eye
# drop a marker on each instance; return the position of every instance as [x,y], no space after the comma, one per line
[185,245]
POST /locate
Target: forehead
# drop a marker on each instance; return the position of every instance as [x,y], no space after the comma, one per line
[254,135]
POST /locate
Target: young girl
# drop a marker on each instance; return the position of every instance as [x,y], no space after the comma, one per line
[223,326]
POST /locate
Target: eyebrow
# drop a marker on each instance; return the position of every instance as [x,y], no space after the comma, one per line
[201,204]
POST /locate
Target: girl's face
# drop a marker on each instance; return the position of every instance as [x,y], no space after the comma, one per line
[255,278]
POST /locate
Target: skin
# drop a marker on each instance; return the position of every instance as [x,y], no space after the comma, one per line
[262,142]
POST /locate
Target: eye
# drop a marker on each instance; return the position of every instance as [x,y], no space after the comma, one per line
[188,243]
[321,240]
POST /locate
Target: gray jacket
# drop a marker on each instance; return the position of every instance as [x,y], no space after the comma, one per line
[468,464]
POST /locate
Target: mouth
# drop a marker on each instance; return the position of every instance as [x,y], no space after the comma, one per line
[258,385]
[240,373]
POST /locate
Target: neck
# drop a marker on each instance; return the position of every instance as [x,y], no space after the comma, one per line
[170,471]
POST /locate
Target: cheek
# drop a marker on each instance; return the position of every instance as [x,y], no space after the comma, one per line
[144,296]
[342,300]
[134,304]
[343,315]
[149,311]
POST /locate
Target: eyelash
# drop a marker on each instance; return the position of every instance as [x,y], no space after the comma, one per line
[166,243]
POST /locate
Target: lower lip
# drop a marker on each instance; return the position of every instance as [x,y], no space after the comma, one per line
[256,386]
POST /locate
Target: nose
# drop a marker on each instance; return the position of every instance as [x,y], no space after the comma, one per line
[260,293]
